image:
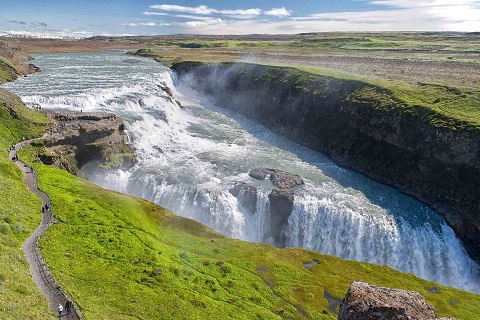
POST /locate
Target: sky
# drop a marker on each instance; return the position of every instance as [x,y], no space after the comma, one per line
[86,18]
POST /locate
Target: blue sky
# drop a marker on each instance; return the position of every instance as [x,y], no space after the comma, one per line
[84,18]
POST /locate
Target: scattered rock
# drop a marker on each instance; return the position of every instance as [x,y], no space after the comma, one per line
[166,89]
[157,272]
[311,264]
[369,302]
[434,290]
[33,68]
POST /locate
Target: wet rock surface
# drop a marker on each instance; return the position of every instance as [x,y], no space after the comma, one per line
[280,179]
[281,199]
[365,301]
[247,196]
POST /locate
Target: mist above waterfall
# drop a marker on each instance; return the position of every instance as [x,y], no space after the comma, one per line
[191,156]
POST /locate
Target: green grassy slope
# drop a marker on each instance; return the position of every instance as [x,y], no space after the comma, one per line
[8,71]
[19,215]
[443,105]
[123,258]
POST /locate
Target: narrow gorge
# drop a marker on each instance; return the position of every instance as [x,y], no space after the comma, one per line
[362,127]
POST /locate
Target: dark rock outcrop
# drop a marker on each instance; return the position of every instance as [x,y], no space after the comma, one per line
[280,179]
[80,138]
[281,206]
[365,301]
[281,199]
[362,127]
[247,196]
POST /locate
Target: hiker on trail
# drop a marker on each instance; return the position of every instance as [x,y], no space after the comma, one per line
[46,207]
[60,309]
[43,209]
[68,306]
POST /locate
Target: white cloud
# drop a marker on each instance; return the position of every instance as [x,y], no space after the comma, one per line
[108,34]
[205,10]
[203,23]
[423,3]
[48,34]
[192,17]
[459,15]
[149,24]
[196,10]
[247,12]
[278,12]
[146,24]
[150,13]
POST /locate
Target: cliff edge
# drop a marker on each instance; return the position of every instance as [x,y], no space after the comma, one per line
[79,138]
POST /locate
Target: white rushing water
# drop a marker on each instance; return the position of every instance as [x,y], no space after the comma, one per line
[189,158]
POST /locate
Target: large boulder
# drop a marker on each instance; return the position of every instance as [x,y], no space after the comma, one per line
[365,301]
[280,179]
[80,138]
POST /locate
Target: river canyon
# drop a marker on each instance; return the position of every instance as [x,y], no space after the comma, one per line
[191,154]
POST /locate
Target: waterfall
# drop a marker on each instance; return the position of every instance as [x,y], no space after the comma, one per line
[190,158]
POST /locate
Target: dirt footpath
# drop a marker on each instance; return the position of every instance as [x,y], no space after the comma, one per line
[41,275]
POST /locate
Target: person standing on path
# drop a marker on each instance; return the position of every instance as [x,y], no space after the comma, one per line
[60,309]
[68,306]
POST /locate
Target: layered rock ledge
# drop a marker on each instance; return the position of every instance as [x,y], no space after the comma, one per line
[79,138]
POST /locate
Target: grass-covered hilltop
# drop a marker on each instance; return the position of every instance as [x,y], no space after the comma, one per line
[119,257]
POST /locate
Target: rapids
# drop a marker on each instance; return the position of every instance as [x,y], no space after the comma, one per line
[190,157]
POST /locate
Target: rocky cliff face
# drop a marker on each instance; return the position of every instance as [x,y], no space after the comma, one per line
[281,199]
[80,138]
[369,302]
[362,127]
